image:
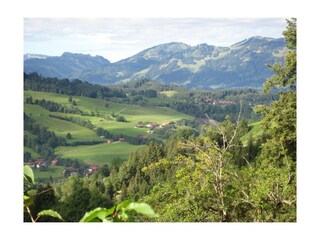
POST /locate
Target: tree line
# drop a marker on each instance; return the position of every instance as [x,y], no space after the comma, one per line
[55,107]
[36,82]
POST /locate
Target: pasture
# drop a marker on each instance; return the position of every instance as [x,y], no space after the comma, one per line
[60,127]
[255,132]
[55,172]
[168,93]
[98,154]
[102,116]
[101,113]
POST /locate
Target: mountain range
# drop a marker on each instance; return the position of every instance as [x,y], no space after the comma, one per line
[203,66]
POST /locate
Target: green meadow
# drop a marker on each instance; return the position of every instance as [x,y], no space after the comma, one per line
[103,115]
[55,172]
[98,154]
[60,127]
[103,153]
[255,132]
[168,93]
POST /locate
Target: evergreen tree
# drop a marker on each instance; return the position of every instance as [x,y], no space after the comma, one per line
[275,176]
[68,136]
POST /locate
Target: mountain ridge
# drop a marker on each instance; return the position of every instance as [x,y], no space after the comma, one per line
[243,64]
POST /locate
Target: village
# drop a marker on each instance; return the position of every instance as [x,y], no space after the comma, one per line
[43,165]
[210,101]
[153,125]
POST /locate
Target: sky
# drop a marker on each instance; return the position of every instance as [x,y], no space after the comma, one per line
[119,38]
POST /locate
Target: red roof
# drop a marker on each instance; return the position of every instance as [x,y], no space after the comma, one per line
[143,137]
[54,162]
[93,167]
[40,161]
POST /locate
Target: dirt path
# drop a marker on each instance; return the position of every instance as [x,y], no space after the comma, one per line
[121,111]
[126,109]
[76,150]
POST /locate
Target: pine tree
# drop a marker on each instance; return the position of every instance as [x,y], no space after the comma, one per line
[275,184]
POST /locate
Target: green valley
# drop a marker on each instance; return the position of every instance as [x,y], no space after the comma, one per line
[150,150]
[98,154]
[84,144]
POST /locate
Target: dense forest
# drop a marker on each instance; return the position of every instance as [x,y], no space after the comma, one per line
[34,81]
[211,176]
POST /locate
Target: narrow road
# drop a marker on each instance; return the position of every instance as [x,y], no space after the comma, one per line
[121,111]
[76,150]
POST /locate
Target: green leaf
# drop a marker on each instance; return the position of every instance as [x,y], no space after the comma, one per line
[98,213]
[108,220]
[28,174]
[123,204]
[27,201]
[51,213]
[32,193]
[142,208]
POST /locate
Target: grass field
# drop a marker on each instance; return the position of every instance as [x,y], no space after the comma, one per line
[98,154]
[55,97]
[161,100]
[132,113]
[60,127]
[255,132]
[168,93]
[56,172]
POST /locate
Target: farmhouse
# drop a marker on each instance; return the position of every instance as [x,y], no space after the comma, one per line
[70,172]
[91,170]
[54,162]
[40,163]
[152,125]
[210,101]
[167,123]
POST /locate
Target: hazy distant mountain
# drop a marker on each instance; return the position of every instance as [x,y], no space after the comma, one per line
[69,65]
[243,64]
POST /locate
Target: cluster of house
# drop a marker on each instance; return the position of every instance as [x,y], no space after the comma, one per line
[110,141]
[154,125]
[210,101]
[75,171]
[42,164]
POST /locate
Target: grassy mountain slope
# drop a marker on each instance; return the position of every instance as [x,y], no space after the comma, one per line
[203,66]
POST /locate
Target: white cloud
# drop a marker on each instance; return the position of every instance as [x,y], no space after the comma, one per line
[117,38]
